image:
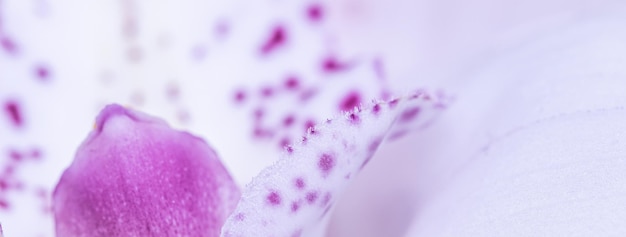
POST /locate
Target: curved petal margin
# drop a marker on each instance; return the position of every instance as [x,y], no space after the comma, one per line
[299,189]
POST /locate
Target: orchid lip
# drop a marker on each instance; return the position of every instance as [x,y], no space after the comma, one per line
[130,151]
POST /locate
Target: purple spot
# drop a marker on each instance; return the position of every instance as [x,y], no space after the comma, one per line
[440,105]
[12,108]
[35,154]
[326,163]
[240,96]
[3,184]
[332,65]
[311,197]
[4,205]
[277,38]
[354,118]
[42,72]
[9,170]
[289,120]
[41,193]
[8,45]
[398,134]
[295,206]
[267,91]
[284,142]
[292,83]
[418,94]
[259,132]
[309,124]
[307,94]
[351,100]
[240,217]
[376,109]
[222,28]
[19,186]
[299,182]
[374,145]
[289,149]
[258,114]
[15,155]
[315,12]
[274,198]
[393,103]
[409,114]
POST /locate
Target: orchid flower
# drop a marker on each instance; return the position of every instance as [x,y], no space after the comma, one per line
[313,118]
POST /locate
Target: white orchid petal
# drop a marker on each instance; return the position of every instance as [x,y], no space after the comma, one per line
[297,191]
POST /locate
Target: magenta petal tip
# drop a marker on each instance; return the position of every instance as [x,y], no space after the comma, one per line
[139,177]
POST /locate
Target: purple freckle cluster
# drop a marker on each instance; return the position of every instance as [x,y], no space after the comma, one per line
[326,163]
[409,114]
[11,183]
[280,107]
[277,38]
[352,100]
[274,198]
[311,197]
[300,183]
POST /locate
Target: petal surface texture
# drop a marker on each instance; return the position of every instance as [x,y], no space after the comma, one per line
[135,176]
[542,154]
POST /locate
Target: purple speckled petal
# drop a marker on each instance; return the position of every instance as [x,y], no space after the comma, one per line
[135,176]
[291,196]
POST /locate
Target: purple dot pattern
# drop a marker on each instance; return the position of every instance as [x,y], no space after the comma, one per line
[13,111]
[278,37]
[168,68]
[326,161]
[326,164]
[274,198]
[325,80]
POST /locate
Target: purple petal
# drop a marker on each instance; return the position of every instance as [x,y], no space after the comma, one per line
[135,176]
[290,197]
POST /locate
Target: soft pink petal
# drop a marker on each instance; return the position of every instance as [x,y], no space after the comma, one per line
[135,176]
[291,196]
